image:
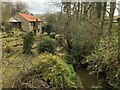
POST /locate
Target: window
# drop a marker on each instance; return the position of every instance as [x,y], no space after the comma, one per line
[33,24]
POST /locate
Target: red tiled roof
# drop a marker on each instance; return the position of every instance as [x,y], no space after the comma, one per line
[29,17]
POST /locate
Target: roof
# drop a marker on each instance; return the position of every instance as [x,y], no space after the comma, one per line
[13,20]
[29,17]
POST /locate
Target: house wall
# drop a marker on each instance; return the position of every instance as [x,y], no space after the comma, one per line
[27,25]
[30,26]
[38,32]
[24,23]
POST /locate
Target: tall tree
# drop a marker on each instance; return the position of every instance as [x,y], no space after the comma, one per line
[20,7]
[98,9]
[103,14]
[111,14]
[6,10]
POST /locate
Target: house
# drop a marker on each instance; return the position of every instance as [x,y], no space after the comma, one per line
[26,22]
[15,22]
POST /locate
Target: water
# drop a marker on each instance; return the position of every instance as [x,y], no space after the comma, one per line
[89,80]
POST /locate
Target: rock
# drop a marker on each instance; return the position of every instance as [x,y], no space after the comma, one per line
[62,41]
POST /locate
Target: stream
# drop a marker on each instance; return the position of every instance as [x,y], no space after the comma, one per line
[89,80]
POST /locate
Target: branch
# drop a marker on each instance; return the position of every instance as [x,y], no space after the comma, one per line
[92,24]
[107,11]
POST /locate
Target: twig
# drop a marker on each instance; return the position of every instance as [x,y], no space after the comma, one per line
[92,23]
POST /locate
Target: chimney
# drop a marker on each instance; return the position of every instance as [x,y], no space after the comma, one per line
[32,14]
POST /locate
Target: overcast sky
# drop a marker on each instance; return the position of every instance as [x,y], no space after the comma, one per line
[43,6]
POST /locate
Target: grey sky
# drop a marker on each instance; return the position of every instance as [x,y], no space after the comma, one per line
[44,6]
[41,6]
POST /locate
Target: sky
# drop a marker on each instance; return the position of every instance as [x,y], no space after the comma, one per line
[41,6]
[44,6]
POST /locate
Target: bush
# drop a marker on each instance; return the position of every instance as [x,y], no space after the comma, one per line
[46,45]
[7,28]
[104,59]
[52,35]
[81,42]
[27,43]
[55,72]
[47,28]
[43,71]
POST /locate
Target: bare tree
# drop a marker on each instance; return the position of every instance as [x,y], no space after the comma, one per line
[9,9]
[111,14]
[103,14]
[6,10]
[20,7]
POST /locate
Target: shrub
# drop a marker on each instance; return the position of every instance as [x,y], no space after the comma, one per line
[47,28]
[46,45]
[52,35]
[43,71]
[27,43]
[55,72]
[81,42]
[104,59]
[7,28]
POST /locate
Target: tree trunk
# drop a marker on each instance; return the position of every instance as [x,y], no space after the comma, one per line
[78,11]
[103,14]
[81,11]
[119,40]
[119,23]
[111,15]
